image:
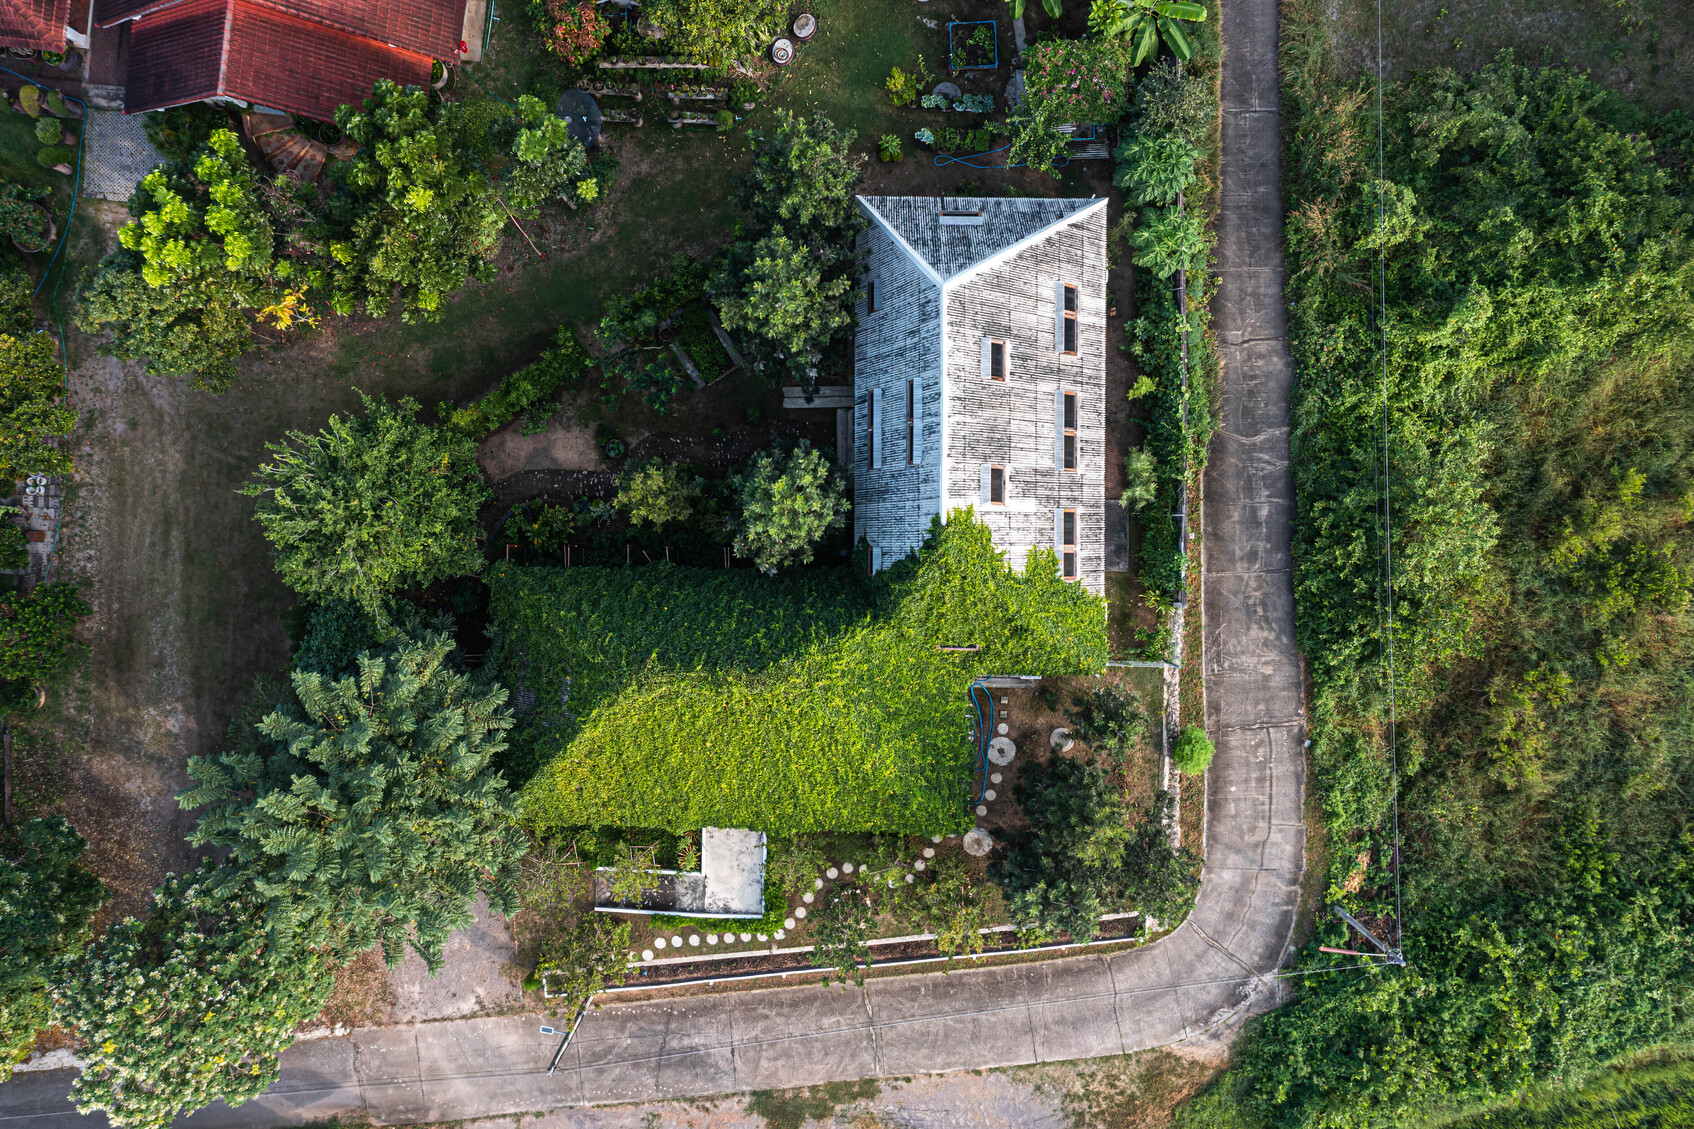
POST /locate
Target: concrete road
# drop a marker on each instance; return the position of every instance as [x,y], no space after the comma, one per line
[1206,974]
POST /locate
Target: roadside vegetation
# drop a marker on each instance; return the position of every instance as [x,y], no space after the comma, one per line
[1533,231]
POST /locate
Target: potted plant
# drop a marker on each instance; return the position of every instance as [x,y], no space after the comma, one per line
[329,133]
[889,148]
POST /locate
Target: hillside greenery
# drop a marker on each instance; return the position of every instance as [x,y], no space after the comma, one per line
[1540,397]
[815,700]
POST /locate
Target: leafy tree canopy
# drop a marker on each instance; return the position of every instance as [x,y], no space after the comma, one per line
[372,504]
[32,412]
[788,502]
[1080,857]
[46,900]
[36,644]
[415,218]
[365,810]
[189,1006]
[803,178]
[782,297]
[659,493]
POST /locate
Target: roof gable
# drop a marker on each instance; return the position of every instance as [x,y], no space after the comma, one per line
[36,24]
[980,228]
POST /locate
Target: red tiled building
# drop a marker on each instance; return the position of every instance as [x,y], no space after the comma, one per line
[303,56]
[36,24]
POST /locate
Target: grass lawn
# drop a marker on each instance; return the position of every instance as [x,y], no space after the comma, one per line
[1642,48]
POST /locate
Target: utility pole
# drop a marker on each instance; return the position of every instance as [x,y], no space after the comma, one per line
[1391,953]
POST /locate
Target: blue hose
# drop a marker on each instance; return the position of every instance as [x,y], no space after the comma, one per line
[982,721]
[76,190]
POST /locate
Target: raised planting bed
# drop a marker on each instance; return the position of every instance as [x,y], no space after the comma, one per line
[973,46]
[695,340]
[800,959]
[649,63]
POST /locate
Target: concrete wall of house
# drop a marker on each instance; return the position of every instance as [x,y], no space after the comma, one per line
[1013,424]
[899,342]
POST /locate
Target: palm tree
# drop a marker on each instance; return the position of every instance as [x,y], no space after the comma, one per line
[1144,23]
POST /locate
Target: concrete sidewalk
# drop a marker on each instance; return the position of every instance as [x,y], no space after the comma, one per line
[1205,975]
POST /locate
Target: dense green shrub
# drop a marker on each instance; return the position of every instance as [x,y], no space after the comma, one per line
[370,505]
[717,31]
[179,132]
[841,924]
[526,391]
[47,898]
[22,216]
[1067,81]
[1110,718]
[364,810]
[188,1006]
[32,408]
[1192,752]
[786,503]
[806,702]
[658,493]
[37,646]
[1155,168]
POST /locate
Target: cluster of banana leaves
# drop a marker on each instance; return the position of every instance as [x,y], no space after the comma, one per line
[1142,22]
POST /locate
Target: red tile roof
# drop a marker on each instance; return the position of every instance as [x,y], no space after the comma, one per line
[429,27]
[37,24]
[204,48]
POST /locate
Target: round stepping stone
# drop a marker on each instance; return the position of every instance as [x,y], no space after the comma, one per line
[990,795]
[646,954]
[1001,750]
[1061,740]
[763,937]
[779,934]
[788,923]
[994,778]
[846,868]
[909,878]
[935,838]
[658,942]
[800,913]
[980,810]
[747,936]
[833,873]
[929,852]
[694,938]
[807,897]
[711,938]
[919,865]
[817,884]
[1004,729]
[978,843]
[676,940]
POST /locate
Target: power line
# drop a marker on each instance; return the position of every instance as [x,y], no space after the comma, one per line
[1387,600]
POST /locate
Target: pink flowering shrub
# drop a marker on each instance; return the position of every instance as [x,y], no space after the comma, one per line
[1078,81]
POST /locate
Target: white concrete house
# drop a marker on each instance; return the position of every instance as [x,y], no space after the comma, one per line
[979,375]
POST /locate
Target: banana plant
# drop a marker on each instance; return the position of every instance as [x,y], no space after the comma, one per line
[1144,23]
[1054,8]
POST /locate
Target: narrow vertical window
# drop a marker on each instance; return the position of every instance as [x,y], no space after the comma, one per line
[1067,543]
[1069,422]
[1070,320]
[870,296]
[997,486]
[911,421]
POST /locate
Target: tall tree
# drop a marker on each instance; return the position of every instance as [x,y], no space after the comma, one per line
[46,900]
[414,216]
[371,504]
[367,808]
[194,269]
[189,1006]
[788,502]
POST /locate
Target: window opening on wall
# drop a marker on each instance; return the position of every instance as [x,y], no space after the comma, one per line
[870,429]
[997,486]
[1070,431]
[997,360]
[911,421]
[1070,319]
[870,296]
[1067,543]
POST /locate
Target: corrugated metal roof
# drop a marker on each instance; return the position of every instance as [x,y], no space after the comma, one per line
[950,247]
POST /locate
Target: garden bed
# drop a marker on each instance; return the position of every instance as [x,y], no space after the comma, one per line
[973,46]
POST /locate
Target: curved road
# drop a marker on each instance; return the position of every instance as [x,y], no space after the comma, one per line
[1204,974]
